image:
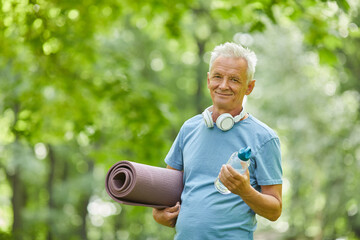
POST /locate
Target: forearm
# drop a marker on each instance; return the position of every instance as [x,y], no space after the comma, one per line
[266,203]
[263,204]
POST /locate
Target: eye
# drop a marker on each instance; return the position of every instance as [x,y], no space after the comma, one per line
[235,79]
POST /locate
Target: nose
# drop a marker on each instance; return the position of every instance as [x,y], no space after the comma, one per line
[224,84]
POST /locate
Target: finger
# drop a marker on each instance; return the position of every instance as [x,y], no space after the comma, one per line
[230,177]
[235,174]
[225,176]
[175,208]
[172,215]
[168,209]
[226,172]
[228,183]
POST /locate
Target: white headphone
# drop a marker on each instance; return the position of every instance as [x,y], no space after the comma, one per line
[225,121]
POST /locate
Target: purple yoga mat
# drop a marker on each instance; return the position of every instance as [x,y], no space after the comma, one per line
[139,184]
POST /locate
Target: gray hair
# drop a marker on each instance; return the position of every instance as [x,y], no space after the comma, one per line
[234,50]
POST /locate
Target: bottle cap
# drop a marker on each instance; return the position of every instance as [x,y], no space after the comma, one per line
[244,153]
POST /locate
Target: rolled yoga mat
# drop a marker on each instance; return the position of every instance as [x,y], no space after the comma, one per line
[138,184]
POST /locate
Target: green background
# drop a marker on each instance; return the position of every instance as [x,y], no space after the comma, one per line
[84,84]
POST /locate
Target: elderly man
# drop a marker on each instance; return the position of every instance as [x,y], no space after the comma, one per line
[202,148]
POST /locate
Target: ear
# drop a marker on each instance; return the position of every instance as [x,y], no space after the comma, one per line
[251,86]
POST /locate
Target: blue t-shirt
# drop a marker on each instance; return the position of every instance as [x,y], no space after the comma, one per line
[200,152]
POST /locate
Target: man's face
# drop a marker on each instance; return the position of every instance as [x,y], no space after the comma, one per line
[227,84]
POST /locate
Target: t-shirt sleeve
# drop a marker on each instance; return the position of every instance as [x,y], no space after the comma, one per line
[174,158]
[268,169]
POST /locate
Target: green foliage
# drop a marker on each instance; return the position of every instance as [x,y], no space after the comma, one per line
[318,155]
[86,84]
[5,236]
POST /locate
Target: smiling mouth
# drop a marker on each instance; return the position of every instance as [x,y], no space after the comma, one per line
[224,94]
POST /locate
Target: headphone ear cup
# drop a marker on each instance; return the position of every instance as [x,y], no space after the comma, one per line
[225,121]
[208,119]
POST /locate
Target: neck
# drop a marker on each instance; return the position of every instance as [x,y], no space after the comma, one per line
[217,112]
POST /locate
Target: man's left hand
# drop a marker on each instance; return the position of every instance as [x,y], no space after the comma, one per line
[234,181]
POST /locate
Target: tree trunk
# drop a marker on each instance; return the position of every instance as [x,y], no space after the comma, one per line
[18,189]
[18,202]
[200,77]
[85,202]
[50,187]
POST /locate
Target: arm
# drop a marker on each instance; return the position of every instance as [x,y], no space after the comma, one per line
[167,216]
[267,204]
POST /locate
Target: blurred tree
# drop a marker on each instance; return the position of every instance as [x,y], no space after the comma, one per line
[85,84]
[297,96]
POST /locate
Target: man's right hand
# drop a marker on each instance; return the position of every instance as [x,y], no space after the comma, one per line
[167,216]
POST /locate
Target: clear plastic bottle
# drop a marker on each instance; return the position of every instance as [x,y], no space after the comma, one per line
[240,162]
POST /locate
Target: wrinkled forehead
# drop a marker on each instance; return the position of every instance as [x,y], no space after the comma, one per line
[230,65]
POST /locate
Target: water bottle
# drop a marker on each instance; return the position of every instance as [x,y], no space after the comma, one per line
[240,162]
